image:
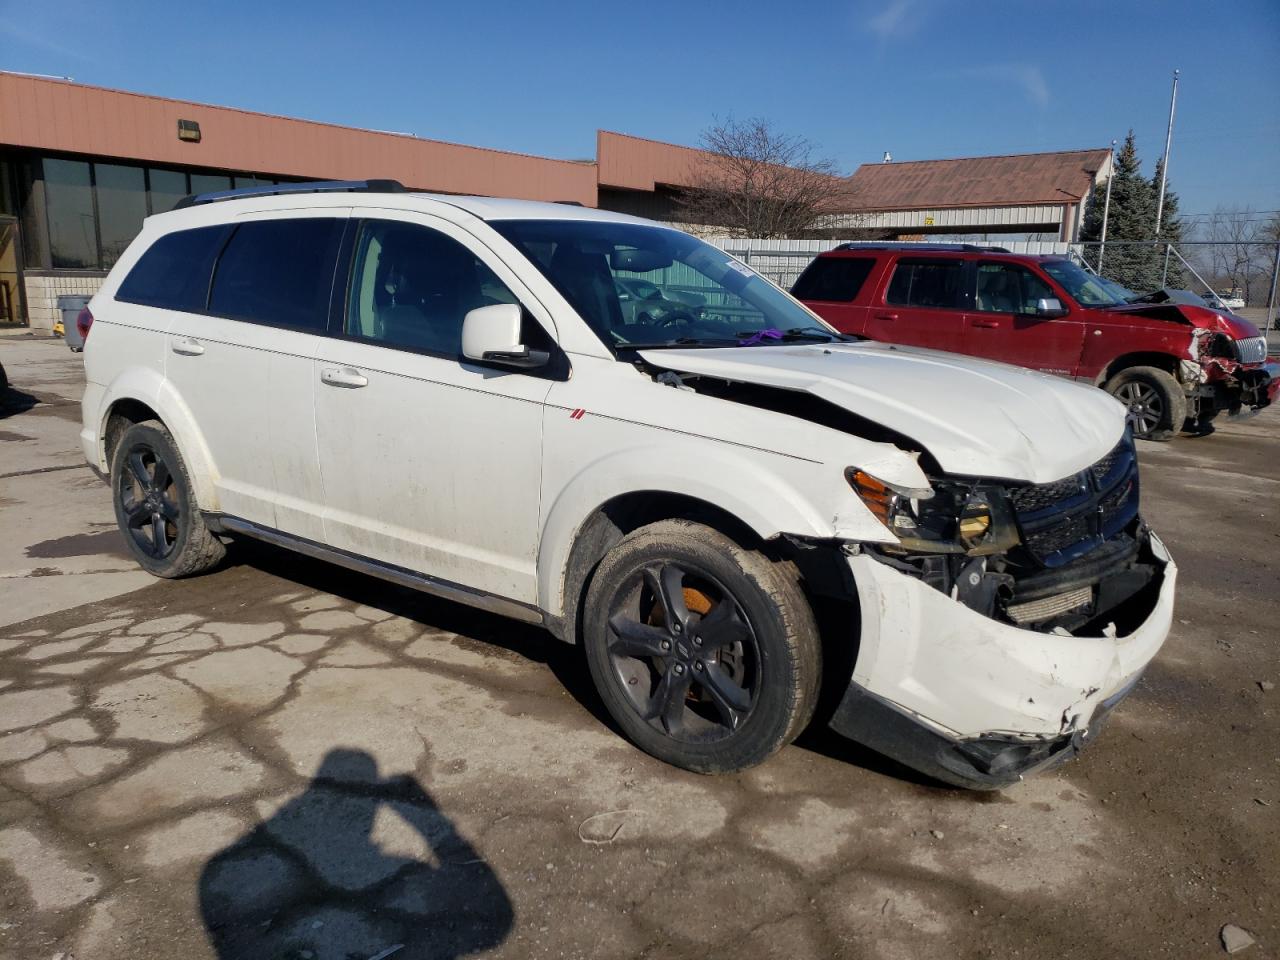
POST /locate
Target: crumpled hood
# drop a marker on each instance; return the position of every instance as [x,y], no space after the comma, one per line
[974,416]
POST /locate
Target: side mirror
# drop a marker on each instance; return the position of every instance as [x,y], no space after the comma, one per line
[1048,307]
[492,334]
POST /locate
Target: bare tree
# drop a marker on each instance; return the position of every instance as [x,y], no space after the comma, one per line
[757,182]
[1241,254]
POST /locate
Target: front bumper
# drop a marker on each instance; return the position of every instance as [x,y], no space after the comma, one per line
[979,703]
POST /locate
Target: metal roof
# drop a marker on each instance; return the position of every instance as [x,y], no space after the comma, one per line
[1021,179]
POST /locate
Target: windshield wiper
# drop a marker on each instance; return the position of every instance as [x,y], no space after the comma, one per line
[679,342]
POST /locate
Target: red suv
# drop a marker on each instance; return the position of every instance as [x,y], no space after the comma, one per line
[1173,364]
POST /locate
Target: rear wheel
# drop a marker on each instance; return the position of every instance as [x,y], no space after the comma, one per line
[706,654]
[156,507]
[1157,406]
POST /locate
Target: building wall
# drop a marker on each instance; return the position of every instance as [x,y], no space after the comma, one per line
[53,115]
[44,289]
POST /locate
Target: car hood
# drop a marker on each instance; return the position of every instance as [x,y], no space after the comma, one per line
[974,417]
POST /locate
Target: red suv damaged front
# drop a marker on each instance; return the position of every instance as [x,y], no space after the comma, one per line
[1174,363]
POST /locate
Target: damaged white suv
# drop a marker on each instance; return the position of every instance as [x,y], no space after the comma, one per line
[743,517]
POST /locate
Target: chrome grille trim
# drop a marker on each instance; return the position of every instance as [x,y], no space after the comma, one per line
[1252,349]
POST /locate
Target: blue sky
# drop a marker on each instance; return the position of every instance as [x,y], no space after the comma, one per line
[921,78]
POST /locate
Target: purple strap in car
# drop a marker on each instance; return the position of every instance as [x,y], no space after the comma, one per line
[768,333]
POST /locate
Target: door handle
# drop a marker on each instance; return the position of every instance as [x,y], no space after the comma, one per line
[190,347]
[348,377]
[886,316]
[988,324]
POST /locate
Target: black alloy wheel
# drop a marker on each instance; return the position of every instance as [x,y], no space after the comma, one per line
[147,497]
[684,652]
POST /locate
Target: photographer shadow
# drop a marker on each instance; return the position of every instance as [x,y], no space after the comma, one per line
[317,879]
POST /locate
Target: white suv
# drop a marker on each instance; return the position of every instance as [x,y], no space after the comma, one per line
[742,516]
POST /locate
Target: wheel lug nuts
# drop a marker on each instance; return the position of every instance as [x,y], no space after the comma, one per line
[697,641]
[698,665]
[666,644]
[679,669]
[675,627]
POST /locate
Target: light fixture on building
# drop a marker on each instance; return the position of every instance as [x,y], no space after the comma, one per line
[189,130]
[888,157]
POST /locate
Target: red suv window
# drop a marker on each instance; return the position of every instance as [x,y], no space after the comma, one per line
[927,283]
[835,279]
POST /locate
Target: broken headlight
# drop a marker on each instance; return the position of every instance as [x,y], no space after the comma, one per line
[951,517]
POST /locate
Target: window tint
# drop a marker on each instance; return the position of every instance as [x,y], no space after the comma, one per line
[73,242]
[209,183]
[411,286]
[833,278]
[278,272]
[174,272]
[122,206]
[926,283]
[1009,288]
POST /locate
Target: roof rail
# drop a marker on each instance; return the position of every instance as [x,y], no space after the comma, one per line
[311,186]
[918,245]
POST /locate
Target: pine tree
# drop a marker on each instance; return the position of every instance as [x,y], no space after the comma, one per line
[1132,217]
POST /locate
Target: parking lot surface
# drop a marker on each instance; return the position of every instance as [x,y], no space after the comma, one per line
[288,760]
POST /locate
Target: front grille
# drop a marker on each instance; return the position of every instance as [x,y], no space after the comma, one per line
[1066,518]
[1252,349]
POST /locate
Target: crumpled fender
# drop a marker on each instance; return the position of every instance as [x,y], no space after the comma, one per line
[770,493]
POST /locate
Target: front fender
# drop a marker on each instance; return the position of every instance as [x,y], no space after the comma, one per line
[157,392]
[769,493]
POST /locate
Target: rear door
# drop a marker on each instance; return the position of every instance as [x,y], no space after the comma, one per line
[830,285]
[922,303]
[1003,326]
[244,366]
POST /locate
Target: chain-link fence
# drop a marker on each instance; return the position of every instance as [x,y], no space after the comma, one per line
[1240,277]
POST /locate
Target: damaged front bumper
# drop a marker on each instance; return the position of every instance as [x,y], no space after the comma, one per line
[978,703]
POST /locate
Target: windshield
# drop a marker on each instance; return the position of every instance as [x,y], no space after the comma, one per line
[683,292]
[1086,289]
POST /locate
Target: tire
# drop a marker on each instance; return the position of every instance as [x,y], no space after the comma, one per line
[161,521]
[729,703]
[1157,406]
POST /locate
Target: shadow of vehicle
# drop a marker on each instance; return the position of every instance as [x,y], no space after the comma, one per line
[354,866]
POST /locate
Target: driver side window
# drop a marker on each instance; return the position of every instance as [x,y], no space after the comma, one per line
[411,287]
[1009,288]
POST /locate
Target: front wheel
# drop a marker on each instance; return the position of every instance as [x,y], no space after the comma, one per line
[706,654]
[1157,406]
[156,506]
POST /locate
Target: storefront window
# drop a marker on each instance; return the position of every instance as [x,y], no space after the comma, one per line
[69,201]
[122,206]
[209,183]
[167,188]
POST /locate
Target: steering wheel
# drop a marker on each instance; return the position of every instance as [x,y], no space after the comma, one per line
[674,317]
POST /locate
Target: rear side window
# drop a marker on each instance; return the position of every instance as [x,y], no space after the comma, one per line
[278,272]
[833,278]
[926,283]
[174,272]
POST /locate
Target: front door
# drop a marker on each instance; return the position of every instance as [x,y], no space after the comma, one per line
[429,462]
[1003,326]
[12,310]
[922,304]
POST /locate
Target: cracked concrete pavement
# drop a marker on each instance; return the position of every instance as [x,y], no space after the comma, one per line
[286,760]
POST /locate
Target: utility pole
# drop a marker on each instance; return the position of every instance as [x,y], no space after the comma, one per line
[1168,142]
[1106,207]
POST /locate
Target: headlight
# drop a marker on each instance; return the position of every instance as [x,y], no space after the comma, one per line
[950,517]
